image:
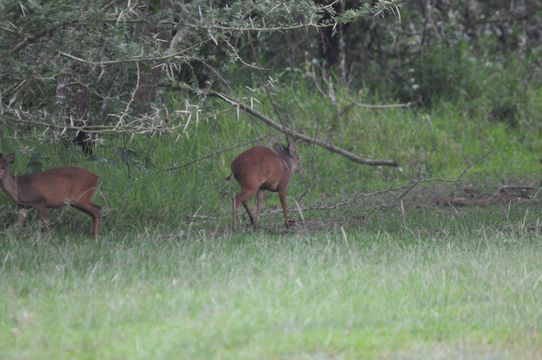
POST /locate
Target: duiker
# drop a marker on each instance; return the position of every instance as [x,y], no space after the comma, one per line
[51,189]
[262,168]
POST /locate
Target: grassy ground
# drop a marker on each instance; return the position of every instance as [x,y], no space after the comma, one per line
[438,283]
[379,278]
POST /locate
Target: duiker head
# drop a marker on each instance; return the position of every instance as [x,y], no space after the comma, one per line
[5,163]
[288,153]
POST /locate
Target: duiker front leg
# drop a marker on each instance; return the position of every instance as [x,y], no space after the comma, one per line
[23,215]
[42,210]
[282,197]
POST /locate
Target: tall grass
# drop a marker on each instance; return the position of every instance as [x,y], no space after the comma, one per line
[437,142]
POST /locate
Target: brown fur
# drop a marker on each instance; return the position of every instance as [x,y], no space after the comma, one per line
[261,168]
[53,188]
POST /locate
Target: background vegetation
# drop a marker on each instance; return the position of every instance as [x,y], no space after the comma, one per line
[382,263]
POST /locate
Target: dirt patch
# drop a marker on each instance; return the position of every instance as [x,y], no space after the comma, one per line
[471,196]
[347,211]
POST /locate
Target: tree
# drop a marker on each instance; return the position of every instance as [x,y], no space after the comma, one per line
[95,67]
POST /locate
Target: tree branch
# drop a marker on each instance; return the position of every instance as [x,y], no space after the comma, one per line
[405,189]
[295,134]
[32,37]
[122,61]
[384,106]
[38,34]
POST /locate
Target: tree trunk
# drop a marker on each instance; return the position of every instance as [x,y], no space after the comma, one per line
[150,76]
[74,99]
[333,42]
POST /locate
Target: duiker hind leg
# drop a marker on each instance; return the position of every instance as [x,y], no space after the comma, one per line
[249,212]
[241,198]
[259,206]
[85,204]
[92,210]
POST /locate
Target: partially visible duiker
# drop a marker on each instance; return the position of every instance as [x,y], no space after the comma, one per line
[51,189]
[261,168]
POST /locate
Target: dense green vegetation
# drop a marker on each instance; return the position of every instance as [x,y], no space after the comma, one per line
[139,188]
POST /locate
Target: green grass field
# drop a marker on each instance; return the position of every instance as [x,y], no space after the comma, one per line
[437,284]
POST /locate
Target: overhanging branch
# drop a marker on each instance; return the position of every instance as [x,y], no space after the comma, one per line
[297,135]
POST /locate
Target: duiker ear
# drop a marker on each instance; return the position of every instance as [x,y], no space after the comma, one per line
[292,146]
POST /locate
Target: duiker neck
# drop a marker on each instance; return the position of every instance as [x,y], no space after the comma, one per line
[9,184]
[288,160]
[283,154]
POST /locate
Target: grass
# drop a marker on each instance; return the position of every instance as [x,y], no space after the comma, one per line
[438,142]
[383,289]
[353,282]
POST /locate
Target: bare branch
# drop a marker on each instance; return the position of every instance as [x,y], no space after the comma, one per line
[384,106]
[123,61]
[295,134]
[405,188]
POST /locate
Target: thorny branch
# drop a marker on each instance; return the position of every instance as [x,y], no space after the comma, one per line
[128,60]
[29,38]
[159,121]
[215,153]
[132,98]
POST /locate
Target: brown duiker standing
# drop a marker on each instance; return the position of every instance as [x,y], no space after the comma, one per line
[53,188]
[262,168]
